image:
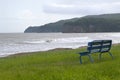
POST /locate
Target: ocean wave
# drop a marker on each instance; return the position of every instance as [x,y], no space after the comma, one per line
[115,35]
[61,40]
[71,40]
[42,43]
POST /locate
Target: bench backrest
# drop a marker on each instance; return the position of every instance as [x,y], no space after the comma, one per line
[106,45]
[99,46]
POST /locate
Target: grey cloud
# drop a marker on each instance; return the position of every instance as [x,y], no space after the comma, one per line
[68,10]
[82,8]
[81,1]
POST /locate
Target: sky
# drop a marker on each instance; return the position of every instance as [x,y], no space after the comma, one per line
[17,15]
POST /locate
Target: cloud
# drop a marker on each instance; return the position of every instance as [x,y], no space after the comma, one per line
[80,1]
[80,7]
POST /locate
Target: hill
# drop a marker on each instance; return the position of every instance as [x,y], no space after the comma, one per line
[90,23]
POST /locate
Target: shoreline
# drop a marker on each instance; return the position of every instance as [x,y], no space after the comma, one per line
[48,42]
[25,53]
[34,52]
[56,49]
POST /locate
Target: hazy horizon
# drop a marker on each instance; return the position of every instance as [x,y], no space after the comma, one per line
[17,15]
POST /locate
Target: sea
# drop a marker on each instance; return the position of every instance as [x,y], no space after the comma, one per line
[18,43]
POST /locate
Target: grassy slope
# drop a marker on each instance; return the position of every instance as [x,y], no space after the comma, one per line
[60,65]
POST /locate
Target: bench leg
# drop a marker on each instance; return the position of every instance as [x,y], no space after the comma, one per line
[110,54]
[90,58]
[80,59]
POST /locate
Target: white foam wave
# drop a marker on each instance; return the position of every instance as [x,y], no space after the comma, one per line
[61,40]
[115,35]
[38,42]
[71,40]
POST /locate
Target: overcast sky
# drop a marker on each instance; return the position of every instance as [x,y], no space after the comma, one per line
[17,15]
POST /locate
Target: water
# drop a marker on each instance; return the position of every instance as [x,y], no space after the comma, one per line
[13,43]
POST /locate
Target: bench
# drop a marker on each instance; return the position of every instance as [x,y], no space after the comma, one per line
[97,46]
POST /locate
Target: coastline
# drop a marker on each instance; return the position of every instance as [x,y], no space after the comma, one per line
[12,44]
[52,50]
[27,53]
[35,52]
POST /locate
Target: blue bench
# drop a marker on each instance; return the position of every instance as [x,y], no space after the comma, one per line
[97,46]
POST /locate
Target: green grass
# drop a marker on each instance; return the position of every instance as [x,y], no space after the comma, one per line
[60,65]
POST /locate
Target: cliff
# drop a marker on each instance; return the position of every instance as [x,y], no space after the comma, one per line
[90,23]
